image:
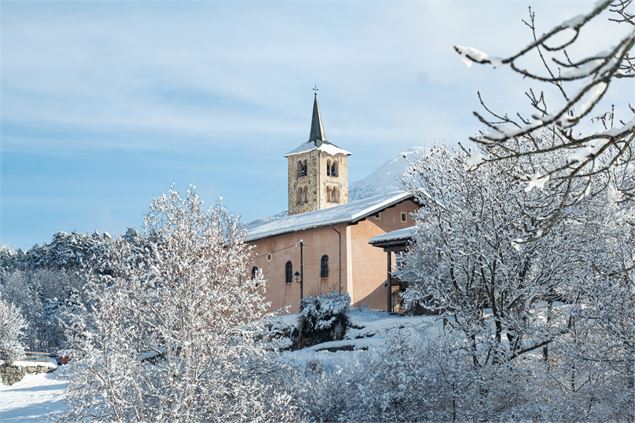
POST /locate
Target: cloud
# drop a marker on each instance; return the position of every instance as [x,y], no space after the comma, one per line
[202,68]
[231,81]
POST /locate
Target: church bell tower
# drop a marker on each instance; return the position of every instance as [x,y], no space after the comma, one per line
[317,170]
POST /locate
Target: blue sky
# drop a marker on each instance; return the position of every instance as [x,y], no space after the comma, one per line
[105,105]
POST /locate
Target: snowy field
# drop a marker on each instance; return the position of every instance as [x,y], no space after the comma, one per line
[36,398]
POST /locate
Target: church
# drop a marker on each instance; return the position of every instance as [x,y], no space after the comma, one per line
[324,242]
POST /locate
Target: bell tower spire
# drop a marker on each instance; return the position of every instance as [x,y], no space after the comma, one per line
[316,135]
[317,170]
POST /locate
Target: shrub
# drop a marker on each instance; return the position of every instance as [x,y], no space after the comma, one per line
[323,318]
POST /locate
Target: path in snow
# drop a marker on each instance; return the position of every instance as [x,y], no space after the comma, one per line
[35,398]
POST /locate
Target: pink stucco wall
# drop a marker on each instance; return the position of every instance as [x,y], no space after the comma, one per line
[363,267]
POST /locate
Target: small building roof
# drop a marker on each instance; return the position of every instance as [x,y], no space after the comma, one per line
[346,213]
[400,235]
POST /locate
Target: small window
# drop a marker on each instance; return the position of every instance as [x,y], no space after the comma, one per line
[302,168]
[324,266]
[288,272]
[328,168]
[335,196]
[254,272]
[302,196]
[268,257]
[334,168]
[404,216]
[377,216]
[299,196]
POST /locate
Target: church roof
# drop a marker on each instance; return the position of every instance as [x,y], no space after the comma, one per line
[346,213]
[317,136]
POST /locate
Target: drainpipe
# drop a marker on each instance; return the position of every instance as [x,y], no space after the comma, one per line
[339,236]
[301,270]
[389,282]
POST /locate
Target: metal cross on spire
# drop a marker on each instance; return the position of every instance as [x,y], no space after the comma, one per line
[315,90]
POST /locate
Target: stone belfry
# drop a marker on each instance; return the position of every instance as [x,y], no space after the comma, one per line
[318,170]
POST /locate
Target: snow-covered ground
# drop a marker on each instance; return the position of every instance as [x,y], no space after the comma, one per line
[36,398]
[369,331]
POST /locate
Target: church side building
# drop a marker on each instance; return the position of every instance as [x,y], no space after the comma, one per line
[322,243]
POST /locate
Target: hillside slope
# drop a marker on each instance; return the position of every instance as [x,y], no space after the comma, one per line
[386,178]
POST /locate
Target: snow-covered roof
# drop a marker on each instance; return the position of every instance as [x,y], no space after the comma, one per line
[325,146]
[346,213]
[398,235]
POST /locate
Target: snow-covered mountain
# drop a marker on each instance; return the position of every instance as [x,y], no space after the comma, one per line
[386,178]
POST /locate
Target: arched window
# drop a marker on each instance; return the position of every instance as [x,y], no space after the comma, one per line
[288,272]
[301,168]
[324,266]
[299,196]
[306,197]
[328,168]
[335,195]
[328,194]
[254,272]
[334,168]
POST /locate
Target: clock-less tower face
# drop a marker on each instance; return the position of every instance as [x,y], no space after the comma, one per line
[317,171]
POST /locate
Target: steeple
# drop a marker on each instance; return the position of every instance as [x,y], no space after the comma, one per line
[317,170]
[316,135]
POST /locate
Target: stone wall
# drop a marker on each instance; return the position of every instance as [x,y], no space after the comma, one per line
[315,181]
[10,374]
[308,182]
[340,181]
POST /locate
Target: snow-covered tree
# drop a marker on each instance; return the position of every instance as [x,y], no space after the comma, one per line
[41,281]
[12,327]
[8,257]
[566,102]
[602,344]
[170,334]
[468,261]
[413,378]
[556,312]
[70,251]
[43,296]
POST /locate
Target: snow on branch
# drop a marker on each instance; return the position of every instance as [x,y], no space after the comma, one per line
[471,55]
[571,121]
[575,23]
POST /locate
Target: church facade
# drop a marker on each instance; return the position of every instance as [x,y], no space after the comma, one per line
[322,243]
